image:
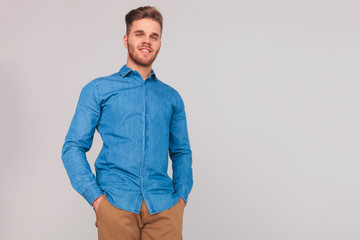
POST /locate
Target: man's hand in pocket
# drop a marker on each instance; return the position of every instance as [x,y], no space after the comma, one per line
[183,201]
[96,203]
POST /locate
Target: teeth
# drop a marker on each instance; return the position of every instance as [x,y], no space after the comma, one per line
[144,50]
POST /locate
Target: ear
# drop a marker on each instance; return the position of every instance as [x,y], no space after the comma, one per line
[125,41]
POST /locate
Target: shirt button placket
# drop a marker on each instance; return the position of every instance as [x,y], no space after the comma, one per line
[142,169]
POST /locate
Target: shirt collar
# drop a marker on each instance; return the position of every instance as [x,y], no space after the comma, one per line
[125,70]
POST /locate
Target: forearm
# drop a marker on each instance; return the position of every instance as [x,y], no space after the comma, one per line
[78,169]
[182,173]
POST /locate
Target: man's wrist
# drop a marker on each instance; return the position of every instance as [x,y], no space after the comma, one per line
[92,193]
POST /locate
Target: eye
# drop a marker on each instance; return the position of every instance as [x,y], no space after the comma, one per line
[138,34]
[154,37]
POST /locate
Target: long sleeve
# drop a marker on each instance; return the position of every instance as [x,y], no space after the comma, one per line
[180,152]
[79,140]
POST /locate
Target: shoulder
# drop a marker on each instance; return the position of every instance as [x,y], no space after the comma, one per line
[94,87]
[109,78]
[100,83]
[170,90]
[173,95]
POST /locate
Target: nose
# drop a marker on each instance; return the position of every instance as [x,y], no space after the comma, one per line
[146,40]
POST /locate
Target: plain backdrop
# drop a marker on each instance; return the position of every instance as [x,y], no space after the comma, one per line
[271,90]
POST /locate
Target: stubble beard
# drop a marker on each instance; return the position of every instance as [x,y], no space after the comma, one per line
[138,59]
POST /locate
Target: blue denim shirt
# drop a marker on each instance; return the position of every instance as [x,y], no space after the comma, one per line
[141,123]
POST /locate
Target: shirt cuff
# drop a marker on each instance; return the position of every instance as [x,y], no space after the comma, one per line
[92,193]
[183,194]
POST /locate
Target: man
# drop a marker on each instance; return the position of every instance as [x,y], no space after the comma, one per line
[141,121]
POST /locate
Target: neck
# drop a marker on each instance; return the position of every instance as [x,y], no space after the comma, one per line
[143,70]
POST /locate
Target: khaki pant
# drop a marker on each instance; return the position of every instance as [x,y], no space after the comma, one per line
[117,224]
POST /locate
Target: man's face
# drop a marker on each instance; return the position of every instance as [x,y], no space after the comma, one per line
[143,42]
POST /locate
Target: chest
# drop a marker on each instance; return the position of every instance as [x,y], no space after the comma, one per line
[139,101]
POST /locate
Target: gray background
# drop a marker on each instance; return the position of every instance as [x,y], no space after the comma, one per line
[271,90]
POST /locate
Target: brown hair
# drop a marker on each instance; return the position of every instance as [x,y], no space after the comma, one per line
[143,12]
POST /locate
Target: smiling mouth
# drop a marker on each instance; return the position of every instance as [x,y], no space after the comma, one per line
[145,50]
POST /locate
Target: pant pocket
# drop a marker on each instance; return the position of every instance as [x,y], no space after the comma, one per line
[176,210]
